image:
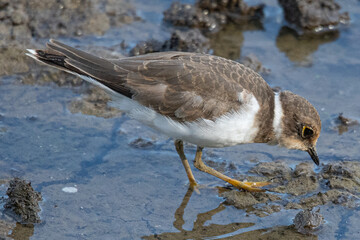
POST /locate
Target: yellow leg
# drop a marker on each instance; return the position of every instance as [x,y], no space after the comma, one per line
[249,186]
[180,150]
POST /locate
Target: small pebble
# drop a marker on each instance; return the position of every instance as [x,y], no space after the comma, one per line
[70,189]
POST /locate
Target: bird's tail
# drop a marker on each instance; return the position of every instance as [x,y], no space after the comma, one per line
[91,68]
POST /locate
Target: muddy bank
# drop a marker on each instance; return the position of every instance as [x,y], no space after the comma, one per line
[21,27]
[20,19]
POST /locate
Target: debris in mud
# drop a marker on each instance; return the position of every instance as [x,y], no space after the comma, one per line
[253,62]
[314,15]
[344,123]
[94,102]
[184,41]
[23,200]
[308,220]
[210,15]
[141,143]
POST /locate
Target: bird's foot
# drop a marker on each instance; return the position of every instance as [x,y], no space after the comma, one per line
[249,186]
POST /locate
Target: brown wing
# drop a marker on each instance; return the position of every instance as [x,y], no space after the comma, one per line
[182,86]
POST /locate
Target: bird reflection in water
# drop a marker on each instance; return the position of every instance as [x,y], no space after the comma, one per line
[230,231]
[200,229]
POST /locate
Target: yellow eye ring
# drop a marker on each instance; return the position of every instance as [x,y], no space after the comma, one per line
[307,132]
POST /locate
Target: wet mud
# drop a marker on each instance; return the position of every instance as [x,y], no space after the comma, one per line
[336,183]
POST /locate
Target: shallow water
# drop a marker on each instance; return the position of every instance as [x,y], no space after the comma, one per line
[130,193]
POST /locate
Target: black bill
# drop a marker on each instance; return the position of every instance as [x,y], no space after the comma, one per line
[313,155]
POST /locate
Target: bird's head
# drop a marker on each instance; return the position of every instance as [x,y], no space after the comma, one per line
[300,124]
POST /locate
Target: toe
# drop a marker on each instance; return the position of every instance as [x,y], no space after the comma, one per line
[249,186]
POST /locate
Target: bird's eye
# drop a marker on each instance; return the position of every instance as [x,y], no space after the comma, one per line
[307,132]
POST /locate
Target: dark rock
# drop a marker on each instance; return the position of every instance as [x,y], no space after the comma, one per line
[141,143]
[23,200]
[308,220]
[210,15]
[183,41]
[313,15]
[234,10]
[191,16]
[253,62]
[344,123]
[145,47]
[187,41]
